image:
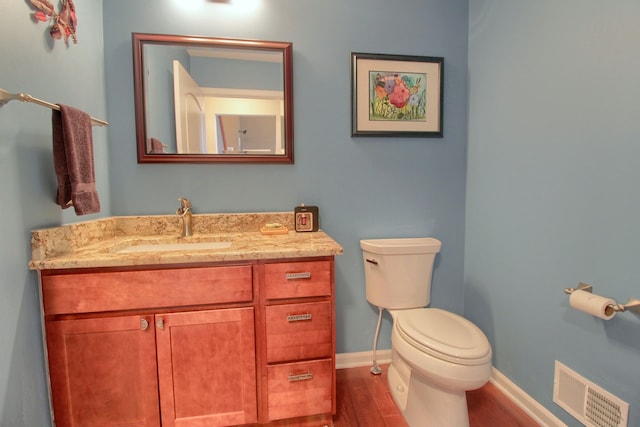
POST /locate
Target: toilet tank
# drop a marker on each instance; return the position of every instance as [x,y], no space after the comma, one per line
[398,271]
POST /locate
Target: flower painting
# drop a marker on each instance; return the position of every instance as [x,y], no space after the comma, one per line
[396,95]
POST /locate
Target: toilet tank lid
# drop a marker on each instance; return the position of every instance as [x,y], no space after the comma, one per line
[405,245]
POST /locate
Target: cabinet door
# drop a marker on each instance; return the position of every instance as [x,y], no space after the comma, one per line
[103,372]
[206,368]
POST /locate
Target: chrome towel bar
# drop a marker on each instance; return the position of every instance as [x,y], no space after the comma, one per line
[5,97]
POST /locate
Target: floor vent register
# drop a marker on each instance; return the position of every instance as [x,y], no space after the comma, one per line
[588,403]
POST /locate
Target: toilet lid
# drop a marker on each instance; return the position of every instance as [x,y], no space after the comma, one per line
[444,335]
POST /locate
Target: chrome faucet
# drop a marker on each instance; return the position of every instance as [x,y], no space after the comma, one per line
[184,212]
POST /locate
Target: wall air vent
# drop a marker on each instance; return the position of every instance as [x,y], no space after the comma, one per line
[588,403]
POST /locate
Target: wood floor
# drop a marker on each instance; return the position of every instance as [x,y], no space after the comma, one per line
[363,400]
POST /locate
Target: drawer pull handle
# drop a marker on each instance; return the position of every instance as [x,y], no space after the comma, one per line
[299,317]
[301,377]
[144,324]
[302,275]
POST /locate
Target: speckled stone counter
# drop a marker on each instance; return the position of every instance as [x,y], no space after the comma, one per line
[98,243]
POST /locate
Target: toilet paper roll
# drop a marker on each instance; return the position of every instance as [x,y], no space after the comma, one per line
[594,305]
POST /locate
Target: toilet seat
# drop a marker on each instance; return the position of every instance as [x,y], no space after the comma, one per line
[444,335]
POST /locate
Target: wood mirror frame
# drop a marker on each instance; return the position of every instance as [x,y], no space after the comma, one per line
[235,46]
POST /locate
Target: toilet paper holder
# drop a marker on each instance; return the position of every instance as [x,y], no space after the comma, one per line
[632,304]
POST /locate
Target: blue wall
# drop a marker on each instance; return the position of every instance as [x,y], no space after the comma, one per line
[551,194]
[365,187]
[552,188]
[32,63]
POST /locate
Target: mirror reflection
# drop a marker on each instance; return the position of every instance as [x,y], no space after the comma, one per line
[212,100]
[248,134]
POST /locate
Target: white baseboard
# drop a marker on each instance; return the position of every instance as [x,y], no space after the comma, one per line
[363,358]
[539,413]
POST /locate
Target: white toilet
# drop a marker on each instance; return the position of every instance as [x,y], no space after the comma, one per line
[436,355]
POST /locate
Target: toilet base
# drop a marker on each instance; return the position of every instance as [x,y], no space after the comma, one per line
[423,404]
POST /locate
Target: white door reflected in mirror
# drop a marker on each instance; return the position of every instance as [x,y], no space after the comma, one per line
[226,121]
[189,112]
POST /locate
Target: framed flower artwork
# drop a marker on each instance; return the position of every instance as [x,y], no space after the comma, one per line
[396,95]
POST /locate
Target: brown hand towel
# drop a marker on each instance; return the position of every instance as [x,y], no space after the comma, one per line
[156,146]
[73,160]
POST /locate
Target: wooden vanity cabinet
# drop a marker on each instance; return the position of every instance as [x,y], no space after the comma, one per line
[300,339]
[166,364]
[214,345]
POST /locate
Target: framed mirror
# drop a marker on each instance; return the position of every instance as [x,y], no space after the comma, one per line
[212,100]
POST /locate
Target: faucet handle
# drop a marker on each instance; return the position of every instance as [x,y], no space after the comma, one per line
[185,206]
[184,211]
[184,203]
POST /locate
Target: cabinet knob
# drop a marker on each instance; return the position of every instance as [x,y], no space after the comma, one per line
[144,324]
[160,323]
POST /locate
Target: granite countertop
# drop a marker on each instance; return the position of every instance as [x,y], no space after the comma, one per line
[98,243]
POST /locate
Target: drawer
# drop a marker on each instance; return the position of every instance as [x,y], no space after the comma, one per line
[300,389]
[299,331]
[127,290]
[297,279]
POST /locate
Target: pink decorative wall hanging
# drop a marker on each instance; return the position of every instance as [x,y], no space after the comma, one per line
[63,23]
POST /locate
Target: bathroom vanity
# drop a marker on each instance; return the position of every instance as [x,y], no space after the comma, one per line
[141,332]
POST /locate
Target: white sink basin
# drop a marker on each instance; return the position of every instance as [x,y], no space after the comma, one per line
[171,247]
